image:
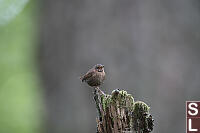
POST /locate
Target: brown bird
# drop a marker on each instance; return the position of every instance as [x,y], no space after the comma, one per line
[95,76]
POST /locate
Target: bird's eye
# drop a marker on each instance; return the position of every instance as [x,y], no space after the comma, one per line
[99,68]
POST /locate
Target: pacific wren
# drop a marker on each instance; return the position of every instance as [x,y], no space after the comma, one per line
[95,76]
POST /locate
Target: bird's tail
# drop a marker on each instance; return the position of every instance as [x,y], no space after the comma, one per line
[81,78]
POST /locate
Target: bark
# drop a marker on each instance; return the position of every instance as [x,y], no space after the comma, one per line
[118,113]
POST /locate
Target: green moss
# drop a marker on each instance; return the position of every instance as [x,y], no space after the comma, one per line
[140,108]
[141,119]
[123,98]
[105,101]
[117,96]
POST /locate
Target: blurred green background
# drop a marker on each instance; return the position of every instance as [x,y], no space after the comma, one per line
[20,90]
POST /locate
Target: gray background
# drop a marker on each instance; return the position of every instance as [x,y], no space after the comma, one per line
[149,48]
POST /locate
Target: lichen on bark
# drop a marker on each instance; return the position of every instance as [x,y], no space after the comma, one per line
[119,113]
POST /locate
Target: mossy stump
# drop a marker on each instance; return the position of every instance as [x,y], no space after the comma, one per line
[119,113]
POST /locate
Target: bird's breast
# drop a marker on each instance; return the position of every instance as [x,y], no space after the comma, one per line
[97,79]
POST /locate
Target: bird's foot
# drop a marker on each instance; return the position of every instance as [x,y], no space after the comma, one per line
[97,89]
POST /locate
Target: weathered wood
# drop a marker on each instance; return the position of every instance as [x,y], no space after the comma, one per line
[118,113]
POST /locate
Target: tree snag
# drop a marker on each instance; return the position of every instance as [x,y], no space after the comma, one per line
[119,113]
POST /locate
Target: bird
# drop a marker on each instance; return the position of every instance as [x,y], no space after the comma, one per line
[95,76]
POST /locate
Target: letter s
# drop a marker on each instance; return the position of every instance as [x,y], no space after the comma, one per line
[193,108]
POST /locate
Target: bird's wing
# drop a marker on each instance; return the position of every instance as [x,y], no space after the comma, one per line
[87,75]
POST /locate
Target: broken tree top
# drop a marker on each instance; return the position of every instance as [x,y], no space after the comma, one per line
[119,113]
